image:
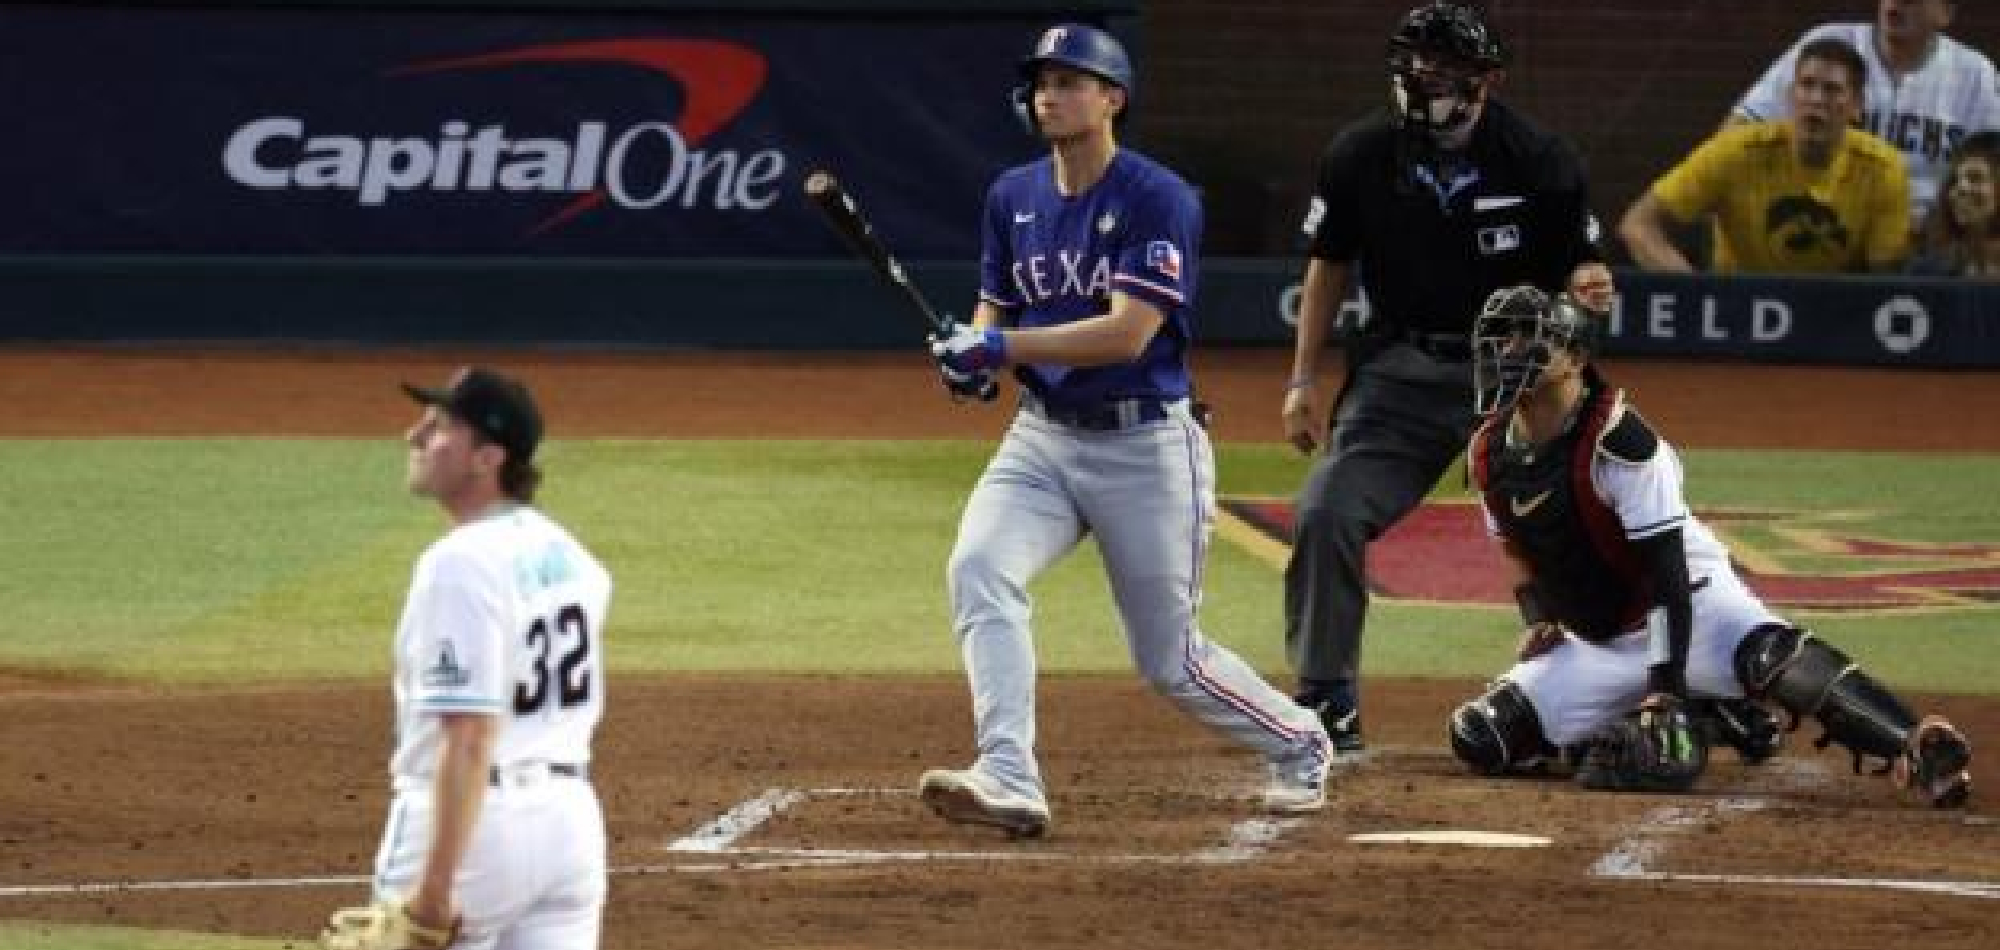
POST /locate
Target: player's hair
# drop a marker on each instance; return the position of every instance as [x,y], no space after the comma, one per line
[1946,238]
[1839,52]
[518,476]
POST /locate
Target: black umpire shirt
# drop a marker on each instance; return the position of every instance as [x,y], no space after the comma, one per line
[1433,244]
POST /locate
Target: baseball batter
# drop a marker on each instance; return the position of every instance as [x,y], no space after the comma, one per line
[495,838]
[1088,274]
[1629,600]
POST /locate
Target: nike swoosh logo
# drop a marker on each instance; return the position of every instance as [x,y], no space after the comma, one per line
[1023,217]
[1522,509]
[1496,202]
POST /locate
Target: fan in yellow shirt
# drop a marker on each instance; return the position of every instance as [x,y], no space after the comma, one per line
[1811,194]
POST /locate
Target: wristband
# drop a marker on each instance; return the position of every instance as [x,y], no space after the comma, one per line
[996,344]
[1298,382]
[1533,611]
[1666,678]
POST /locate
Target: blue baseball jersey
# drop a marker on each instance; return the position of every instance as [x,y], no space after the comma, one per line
[1050,259]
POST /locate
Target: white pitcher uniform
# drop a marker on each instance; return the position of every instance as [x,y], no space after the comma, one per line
[504,618]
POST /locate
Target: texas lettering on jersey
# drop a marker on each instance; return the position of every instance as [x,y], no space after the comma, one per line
[1062,274]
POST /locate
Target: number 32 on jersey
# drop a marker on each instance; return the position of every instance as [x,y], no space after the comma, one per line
[560,668]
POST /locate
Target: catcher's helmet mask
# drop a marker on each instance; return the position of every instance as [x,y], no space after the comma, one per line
[1439,58]
[1077,46]
[1517,335]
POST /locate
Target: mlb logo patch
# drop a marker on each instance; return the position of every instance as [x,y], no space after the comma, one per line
[1164,257]
[1500,240]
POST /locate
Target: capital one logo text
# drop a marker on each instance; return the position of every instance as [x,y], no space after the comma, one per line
[645,165]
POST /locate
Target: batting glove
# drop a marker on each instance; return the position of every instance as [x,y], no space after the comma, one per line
[968,350]
[978,385]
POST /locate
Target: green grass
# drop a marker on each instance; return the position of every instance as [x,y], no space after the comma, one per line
[31,935]
[235,560]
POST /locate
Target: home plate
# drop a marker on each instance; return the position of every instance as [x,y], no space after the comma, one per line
[1470,839]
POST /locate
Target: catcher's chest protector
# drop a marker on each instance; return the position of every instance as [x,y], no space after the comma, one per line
[1544,502]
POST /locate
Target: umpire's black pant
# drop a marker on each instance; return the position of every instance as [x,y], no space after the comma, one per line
[1404,417]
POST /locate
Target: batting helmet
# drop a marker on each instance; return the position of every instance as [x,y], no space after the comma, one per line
[1518,332]
[1079,47]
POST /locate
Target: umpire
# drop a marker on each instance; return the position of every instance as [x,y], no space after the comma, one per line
[1435,202]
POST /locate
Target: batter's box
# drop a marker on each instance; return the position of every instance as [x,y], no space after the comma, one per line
[820,827]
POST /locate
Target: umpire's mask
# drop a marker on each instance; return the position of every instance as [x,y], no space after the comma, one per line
[1439,56]
[1518,332]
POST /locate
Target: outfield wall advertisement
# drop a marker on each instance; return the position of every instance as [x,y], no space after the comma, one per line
[385,132]
[835,303]
[1838,320]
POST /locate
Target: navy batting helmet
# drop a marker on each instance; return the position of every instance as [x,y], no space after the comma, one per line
[1079,47]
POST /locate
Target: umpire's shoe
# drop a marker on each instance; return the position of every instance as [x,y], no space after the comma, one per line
[969,798]
[1934,762]
[1343,723]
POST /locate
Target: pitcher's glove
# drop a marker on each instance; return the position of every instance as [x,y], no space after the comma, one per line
[384,925]
[1655,749]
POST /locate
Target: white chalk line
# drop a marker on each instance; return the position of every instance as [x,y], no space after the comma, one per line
[1655,832]
[721,832]
[1989,890]
[113,887]
[1246,840]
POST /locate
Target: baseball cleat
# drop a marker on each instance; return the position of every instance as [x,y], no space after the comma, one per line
[1343,724]
[1298,783]
[968,798]
[1934,763]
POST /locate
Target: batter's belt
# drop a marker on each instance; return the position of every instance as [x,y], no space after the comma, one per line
[1108,416]
[528,773]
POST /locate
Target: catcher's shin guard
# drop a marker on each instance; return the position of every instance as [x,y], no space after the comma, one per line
[1499,733]
[1809,677]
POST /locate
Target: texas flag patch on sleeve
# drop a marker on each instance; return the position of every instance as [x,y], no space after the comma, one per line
[1165,258]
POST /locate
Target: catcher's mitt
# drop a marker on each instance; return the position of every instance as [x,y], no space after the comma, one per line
[1655,749]
[383,925]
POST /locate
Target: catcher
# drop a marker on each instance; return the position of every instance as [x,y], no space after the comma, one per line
[495,838]
[1630,603]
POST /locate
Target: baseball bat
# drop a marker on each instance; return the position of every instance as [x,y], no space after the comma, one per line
[846,219]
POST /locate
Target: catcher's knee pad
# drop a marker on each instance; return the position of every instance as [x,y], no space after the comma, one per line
[1810,677]
[1499,732]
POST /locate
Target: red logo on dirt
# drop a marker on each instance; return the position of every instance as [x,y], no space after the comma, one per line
[1441,553]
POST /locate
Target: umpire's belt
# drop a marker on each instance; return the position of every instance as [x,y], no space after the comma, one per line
[1443,347]
[1105,416]
[522,774]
